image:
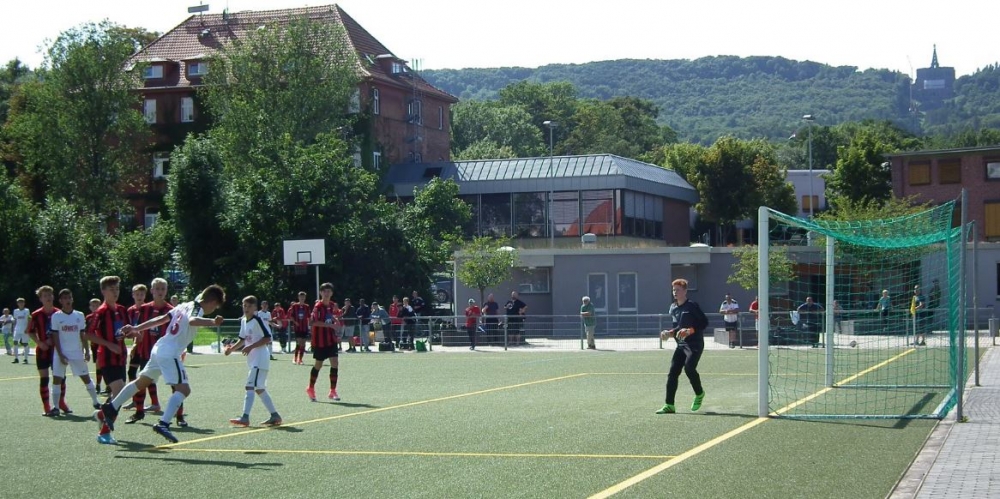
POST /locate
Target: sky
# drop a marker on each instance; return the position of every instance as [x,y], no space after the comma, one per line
[893,34]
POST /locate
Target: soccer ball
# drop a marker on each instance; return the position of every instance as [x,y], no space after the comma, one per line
[853,343]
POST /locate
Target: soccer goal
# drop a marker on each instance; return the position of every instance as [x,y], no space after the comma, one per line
[863,317]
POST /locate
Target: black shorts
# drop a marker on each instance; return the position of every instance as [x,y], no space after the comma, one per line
[301,335]
[138,361]
[732,325]
[113,373]
[43,362]
[324,353]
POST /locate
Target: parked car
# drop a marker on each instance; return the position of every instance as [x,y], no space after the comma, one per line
[442,288]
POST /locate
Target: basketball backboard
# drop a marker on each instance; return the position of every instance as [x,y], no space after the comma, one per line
[309,251]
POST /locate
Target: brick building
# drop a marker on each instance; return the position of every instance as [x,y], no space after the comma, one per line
[939,176]
[410,119]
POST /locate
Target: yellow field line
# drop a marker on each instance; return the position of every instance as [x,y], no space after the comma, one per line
[34,376]
[614,489]
[664,374]
[424,454]
[373,411]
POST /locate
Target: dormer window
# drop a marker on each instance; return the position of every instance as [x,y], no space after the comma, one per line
[152,72]
[197,68]
[398,67]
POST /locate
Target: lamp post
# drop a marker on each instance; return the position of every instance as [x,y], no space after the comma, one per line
[551,222]
[812,199]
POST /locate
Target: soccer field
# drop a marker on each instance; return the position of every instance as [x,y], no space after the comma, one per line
[451,424]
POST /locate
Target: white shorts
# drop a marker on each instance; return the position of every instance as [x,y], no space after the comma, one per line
[78,366]
[257,379]
[21,338]
[171,368]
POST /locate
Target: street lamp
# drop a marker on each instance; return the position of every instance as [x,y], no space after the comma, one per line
[812,200]
[551,222]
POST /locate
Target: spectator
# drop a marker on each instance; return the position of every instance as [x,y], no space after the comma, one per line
[350,318]
[280,323]
[755,310]
[408,316]
[516,309]
[810,318]
[491,319]
[883,308]
[589,315]
[381,321]
[396,331]
[918,311]
[364,315]
[838,317]
[730,311]
[472,315]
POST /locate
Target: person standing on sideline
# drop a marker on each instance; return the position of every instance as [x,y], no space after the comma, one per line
[730,311]
[299,313]
[516,309]
[810,320]
[491,319]
[883,308]
[381,321]
[918,306]
[395,331]
[255,338]
[472,315]
[755,310]
[689,327]
[21,317]
[589,315]
[349,316]
[838,317]
[7,326]
[364,315]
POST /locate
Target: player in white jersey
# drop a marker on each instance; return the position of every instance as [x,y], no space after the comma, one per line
[255,336]
[165,359]
[68,327]
[7,326]
[265,315]
[22,316]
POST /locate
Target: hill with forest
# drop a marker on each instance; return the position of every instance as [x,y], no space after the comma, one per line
[749,97]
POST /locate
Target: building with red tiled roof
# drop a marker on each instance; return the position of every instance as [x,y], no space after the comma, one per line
[409,117]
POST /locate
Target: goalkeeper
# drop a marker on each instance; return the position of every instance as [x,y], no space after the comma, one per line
[689,325]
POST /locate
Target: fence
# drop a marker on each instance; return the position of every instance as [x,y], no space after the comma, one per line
[617,331]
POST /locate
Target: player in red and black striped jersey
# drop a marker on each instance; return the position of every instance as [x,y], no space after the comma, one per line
[138,299]
[38,329]
[144,346]
[299,314]
[324,341]
[111,355]
[94,303]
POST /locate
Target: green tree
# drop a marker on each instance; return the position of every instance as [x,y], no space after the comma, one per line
[745,269]
[555,101]
[486,262]
[140,255]
[510,127]
[10,75]
[484,149]
[17,243]
[79,134]
[861,172]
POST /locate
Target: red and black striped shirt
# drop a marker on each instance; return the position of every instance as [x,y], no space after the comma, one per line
[40,324]
[108,321]
[299,314]
[323,337]
[144,345]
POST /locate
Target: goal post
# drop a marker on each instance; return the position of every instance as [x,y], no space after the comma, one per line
[860,319]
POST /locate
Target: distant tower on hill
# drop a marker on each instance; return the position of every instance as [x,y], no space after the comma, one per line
[934,85]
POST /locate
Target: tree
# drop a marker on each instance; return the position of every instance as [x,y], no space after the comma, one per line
[781,269]
[509,127]
[10,75]
[17,242]
[486,262]
[484,149]
[79,133]
[141,255]
[862,173]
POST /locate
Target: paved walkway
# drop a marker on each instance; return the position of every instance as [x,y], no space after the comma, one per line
[962,459]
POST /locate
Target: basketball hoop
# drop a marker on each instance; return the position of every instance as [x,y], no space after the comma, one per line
[300,268]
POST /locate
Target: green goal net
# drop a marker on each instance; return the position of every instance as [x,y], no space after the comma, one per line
[862,316]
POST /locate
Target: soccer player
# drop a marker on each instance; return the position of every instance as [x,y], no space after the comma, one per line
[7,326]
[689,324]
[299,314]
[21,318]
[109,322]
[68,328]
[182,323]
[255,336]
[38,330]
[143,349]
[91,317]
[324,341]
[139,292]
[265,315]
[279,323]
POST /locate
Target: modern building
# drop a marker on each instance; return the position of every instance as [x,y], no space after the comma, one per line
[810,190]
[408,119]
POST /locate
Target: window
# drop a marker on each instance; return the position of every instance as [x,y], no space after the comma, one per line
[643,215]
[529,214]
[440,118]
[598,212]
[377,160]
[991,224]
[413,112]
[149,110]
[920,173]
[993,170]
[197,68]
[151,72]
[354,105]
[376,105]
[152,215]
[597,290]
[566,213]
[161,164]
[533,281]
[187,109]
[998,280]
[810,203]
[357,158]
[950,171]
[397,67]
[495,214]
[628,292]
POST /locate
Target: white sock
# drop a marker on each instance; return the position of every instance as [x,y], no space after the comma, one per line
[92,391]
[17,350]
[56,393]
[173,403]
[266,399]
[247,403]
[125,395]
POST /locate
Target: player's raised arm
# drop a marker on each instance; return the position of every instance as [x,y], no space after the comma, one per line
[206,321]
